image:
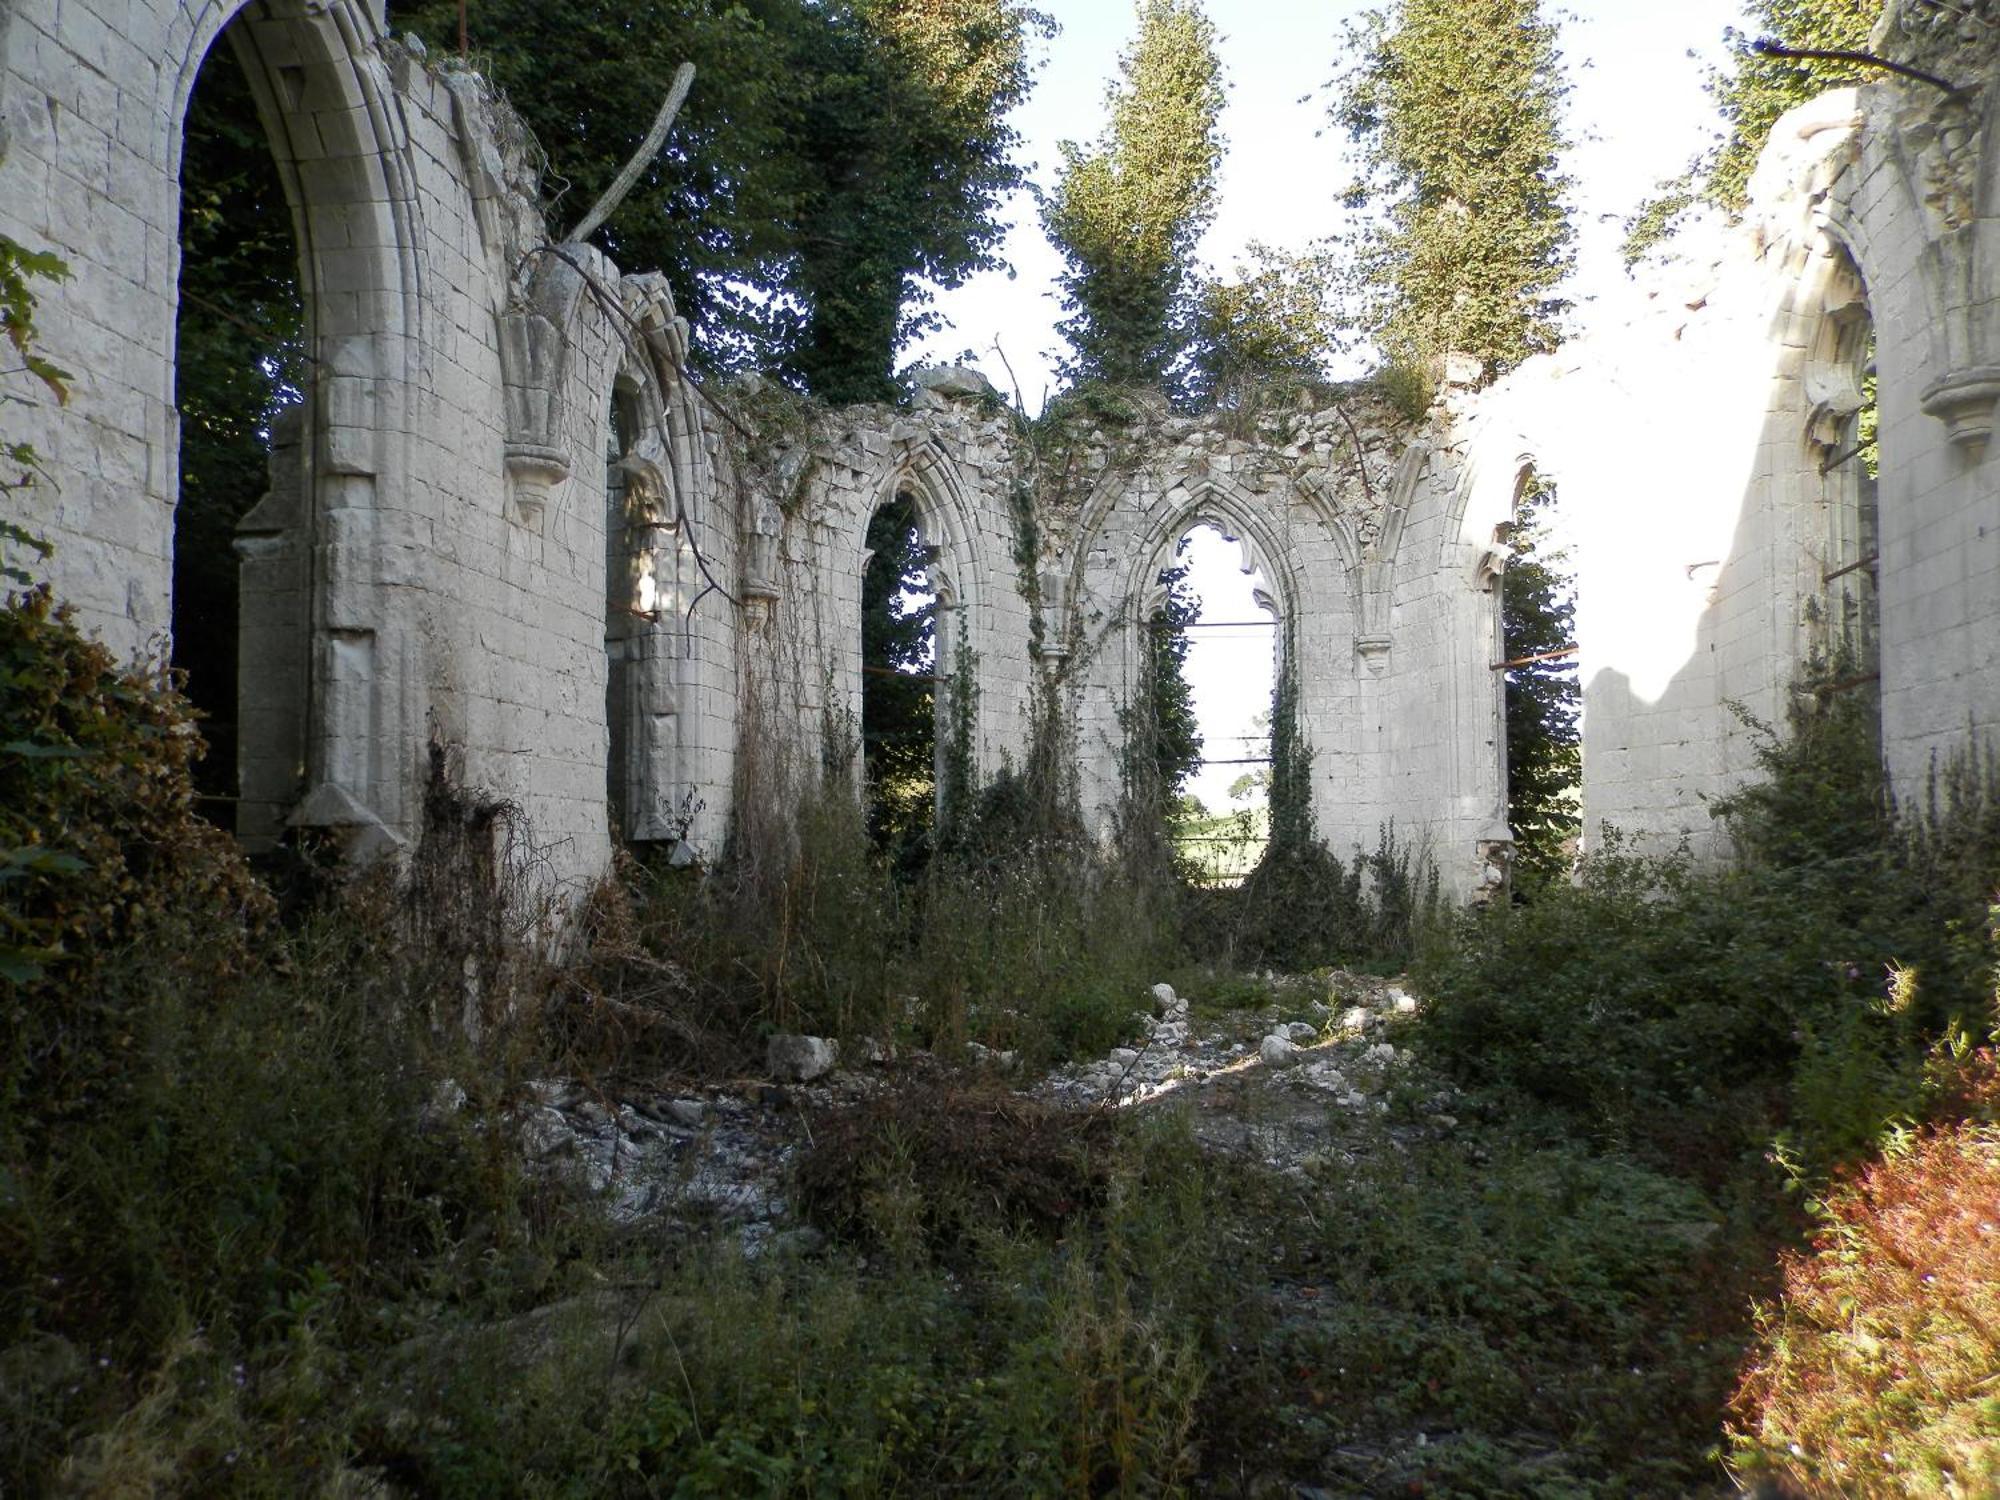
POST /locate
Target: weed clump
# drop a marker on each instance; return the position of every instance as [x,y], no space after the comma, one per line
[934,1168]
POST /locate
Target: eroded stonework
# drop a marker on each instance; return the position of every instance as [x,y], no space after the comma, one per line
[508,520]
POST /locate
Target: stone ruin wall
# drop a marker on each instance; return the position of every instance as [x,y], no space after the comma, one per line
[508,521]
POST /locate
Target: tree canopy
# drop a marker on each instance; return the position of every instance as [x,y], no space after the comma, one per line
[1456,106]
[1750,93]
[1128,209]
[834,163]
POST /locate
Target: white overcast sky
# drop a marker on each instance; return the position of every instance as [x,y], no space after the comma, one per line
[1637,114]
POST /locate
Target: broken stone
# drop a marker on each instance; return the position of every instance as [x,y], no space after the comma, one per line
[799,1059]
[955,382]
[1122,1057]
[1404,1003]
[1165,1001]
[1278,1051]
[1302,1033]
[546,1133]
[686,1113]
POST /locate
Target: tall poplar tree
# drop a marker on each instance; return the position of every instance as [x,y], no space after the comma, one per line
[1456,106]
[1129,209]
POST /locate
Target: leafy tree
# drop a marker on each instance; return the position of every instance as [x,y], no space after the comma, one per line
[898,699]
[1176,734]
[1758,89]
[240,361]
[1275,322]
[1456,106]
[1544,759]
[833,163]
[1128,211]
[905,155]
[1750,94]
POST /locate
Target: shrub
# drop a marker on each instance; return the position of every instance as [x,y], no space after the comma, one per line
[100,850]
[1875,1370]
[1655,1001]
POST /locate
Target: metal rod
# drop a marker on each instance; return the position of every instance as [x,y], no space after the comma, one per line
[1523,661]
[1765,47]
[1840,458]
[1854,567]
[1828,689]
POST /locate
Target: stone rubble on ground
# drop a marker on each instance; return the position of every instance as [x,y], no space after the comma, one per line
[799,1059]
[719,1154]
[1278,1051]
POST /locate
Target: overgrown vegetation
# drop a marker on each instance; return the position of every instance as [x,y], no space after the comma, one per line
[1127,211]
[357,1278]
[1771,1024]
[840,161]
[1457,111]
[1544,753]
[1751,91]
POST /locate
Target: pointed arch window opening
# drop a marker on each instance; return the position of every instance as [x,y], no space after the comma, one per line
[1216,603]
[1842,384]
[242,375]
[908,641]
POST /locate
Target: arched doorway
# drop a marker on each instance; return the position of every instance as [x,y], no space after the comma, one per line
[241,379]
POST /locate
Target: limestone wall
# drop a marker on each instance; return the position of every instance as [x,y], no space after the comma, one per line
[509,521]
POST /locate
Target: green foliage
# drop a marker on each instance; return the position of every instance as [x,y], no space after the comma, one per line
[1017,933]
[1274,325]
[100,845]
[225,1179]
[1169,696]
[898,697]
[1544,754]
[1515,1300]
[1456,108]
[1129,209]
[1012,1368]
[19,267]
[1750,93]
[831,166]
[1757,88]
[1681,1010]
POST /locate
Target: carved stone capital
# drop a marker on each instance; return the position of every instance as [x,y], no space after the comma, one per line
[533,470]
[1964,401]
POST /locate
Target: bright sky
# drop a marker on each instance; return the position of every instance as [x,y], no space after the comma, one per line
[1637,113]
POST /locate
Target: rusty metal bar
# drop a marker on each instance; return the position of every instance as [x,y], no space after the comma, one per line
[1854,567]
[1828,689]
[1525,661]
[1765,47]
